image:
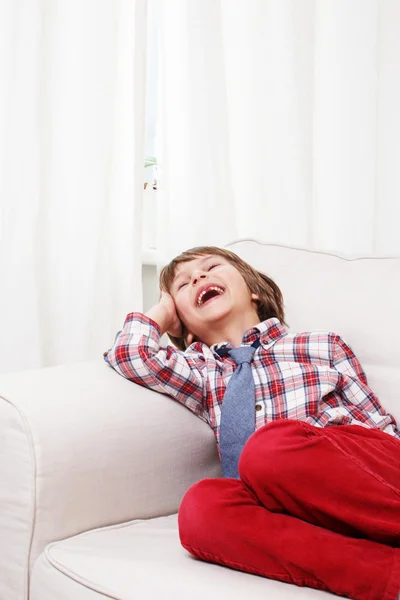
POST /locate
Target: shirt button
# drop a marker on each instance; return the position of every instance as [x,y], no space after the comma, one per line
[258,407]
[105,353]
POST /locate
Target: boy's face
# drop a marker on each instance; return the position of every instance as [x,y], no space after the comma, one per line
[210,290]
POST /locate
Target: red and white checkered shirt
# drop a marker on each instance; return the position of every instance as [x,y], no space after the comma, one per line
[313,376]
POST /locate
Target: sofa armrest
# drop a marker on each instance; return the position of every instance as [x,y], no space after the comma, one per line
[81,447]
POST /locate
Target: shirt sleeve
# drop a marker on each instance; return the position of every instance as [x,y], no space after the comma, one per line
[353,385]
[345,361]
[138,356]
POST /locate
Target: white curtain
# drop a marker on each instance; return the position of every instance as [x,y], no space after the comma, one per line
[71,176]
[281,122]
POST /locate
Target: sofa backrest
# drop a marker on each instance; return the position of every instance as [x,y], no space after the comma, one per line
[355,297]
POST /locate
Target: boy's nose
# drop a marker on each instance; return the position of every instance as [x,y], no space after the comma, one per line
[197,276]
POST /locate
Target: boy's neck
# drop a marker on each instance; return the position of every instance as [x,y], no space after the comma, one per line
[231,332]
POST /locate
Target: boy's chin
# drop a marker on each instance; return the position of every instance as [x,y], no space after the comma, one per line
[216,313]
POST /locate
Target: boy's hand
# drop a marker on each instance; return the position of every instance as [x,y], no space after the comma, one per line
[164,313]
[173,323]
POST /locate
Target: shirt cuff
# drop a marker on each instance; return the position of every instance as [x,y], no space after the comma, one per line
[142,324]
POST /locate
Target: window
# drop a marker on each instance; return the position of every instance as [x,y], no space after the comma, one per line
[153,144]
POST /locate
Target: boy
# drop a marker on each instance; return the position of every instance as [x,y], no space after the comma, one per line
[315,497]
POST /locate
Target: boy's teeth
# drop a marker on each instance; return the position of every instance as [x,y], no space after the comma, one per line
[217,289]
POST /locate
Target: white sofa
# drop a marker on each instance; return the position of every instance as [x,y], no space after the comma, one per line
[93,467]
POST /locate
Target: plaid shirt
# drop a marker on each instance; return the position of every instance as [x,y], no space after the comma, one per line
[313,376]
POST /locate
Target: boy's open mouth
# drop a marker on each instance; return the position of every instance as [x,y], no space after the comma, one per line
[207,293]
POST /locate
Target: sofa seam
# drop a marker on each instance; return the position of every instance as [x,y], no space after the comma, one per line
[311,251]
[106,528]
[73,575]
[28,433]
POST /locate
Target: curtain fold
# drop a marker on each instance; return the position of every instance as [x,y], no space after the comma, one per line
[280,123]
[71,176]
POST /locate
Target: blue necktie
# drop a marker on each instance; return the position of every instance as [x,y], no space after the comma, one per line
[238,409]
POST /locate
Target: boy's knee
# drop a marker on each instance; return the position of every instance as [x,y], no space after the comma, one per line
[202,511]
[272,451]
[195,511]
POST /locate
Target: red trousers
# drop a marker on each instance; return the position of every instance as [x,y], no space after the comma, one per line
[316,507]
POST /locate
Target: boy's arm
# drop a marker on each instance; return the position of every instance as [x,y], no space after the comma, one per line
[353,381]
[345,361]
[137,355]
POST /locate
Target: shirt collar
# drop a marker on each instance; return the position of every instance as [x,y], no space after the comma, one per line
[269,331]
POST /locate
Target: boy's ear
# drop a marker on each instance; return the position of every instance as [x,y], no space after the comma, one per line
[189,339]
[187,336]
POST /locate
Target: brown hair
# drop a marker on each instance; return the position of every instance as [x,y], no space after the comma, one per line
[270,303]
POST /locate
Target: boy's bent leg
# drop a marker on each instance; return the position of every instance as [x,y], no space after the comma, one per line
[343,478]
[221,522]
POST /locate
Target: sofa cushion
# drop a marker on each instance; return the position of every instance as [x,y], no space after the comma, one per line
[356,297]
[81,447]
[144,559]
